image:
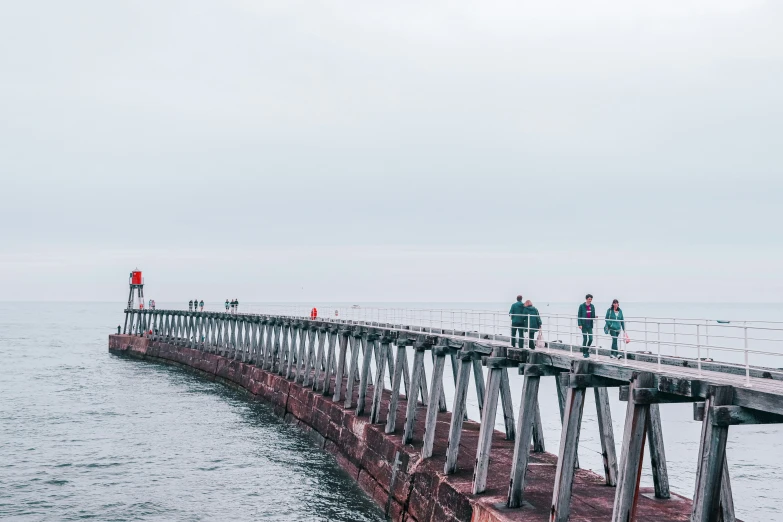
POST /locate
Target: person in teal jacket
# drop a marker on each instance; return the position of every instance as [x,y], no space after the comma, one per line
[518,322]
[533,323]
[614,323]
[585,317]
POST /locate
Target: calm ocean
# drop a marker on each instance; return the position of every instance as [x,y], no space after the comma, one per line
[84,434]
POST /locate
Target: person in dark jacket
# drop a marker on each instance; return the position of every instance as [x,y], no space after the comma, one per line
[226,305]
[236,306]
[190,306]
[533,323]
[518,322]
[614,323]
[585,318]
[201,304]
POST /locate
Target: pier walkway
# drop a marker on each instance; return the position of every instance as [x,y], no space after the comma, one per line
[357,374]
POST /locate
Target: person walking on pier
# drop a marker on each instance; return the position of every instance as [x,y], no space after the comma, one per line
[518,322]
[585,318]
[201,305]
[226,305]
[614,323]
[533,320]
[236,305]
[190,306]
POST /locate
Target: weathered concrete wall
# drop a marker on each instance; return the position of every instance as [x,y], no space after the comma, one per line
[415,492]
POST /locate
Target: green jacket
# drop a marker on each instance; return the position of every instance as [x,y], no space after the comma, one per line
[517,313]
[615,321]
[533,317]
[583,321]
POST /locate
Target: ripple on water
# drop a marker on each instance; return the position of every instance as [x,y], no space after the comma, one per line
[86,435]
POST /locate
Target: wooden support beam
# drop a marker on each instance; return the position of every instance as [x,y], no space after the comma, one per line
[507,405]
[309,359]
[632,453]
[712,455]
[364,376]
[406,372]
[341,359]
[656,396]
[538,431]
[569,442]
[275,346]
[319,357]
[478,377]
[410,413]
[487,428]
[330,364]
[606,434]
[355,346]
[399,370]
[736,415]
[305,334]
[377,392]
[561,400]
[571,380]
[220,337]
[657,453]
[726,496]
[292,369]
[436,389]
[539,370]
[285,348]
[528,408]
[458,409]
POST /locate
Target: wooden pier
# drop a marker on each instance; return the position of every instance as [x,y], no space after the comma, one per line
[341,366]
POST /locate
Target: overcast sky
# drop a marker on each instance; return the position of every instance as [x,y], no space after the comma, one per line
[392,151]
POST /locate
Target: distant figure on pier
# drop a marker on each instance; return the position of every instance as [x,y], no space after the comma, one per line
[190,306]
[585,318]
[614,323]
[518,322]
[201,305]
[533,320]
[236,305]
[227,305]
[195,305]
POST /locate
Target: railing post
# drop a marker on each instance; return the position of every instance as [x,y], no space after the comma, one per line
[698,347]
[747,365]
[674,329]
[707,335]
